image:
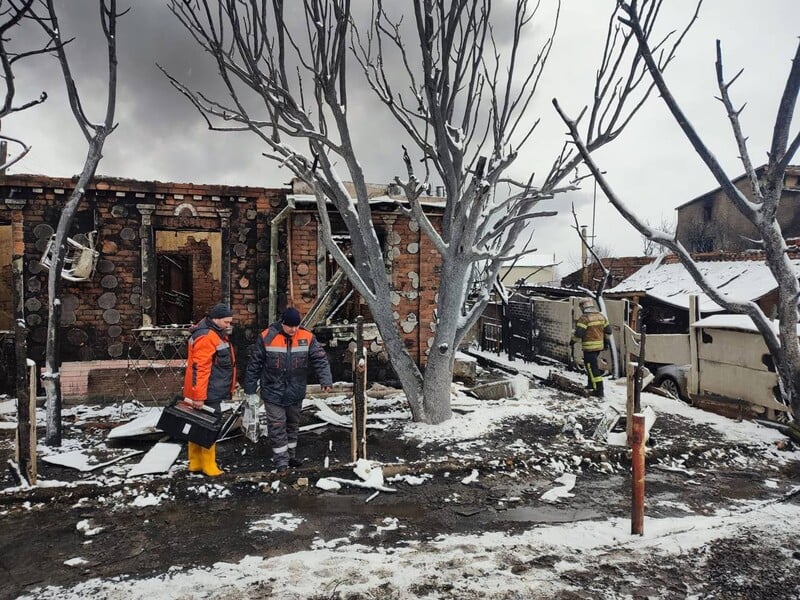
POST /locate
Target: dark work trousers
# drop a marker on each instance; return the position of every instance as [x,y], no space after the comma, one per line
[283,423]
[593,372]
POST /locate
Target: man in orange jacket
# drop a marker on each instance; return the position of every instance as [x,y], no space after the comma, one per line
[210,377]
[279,365]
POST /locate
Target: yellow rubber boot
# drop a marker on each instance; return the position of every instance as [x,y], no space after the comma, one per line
[209,461]
[195,458]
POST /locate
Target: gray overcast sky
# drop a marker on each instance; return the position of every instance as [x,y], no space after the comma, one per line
[161,137]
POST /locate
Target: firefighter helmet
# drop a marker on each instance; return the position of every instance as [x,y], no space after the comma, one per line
[586,304]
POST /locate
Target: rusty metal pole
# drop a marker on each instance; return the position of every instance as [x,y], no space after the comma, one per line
[358,434]
[637,475]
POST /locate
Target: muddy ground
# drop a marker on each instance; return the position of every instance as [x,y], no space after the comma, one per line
[200,521]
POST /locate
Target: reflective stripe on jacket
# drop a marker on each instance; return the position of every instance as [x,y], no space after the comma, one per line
[210,365]
[280,364]
[591,330]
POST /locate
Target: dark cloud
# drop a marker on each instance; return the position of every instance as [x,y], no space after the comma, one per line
[161,136]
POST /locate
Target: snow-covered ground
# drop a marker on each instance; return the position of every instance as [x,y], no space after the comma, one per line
[591,558]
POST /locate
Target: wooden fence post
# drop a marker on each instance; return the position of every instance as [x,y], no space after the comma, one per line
[358,434]
[25,449]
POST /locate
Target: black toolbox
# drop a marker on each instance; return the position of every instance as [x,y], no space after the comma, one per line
[183,422]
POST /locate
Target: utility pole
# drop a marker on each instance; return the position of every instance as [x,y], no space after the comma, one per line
[584,258]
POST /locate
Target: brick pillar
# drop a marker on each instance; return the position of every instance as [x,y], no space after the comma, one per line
[148,264]
[225,274]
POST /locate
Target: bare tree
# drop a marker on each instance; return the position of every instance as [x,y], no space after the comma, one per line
[95,134]
[463,99]
[761,210]
[667,225]
[12,15]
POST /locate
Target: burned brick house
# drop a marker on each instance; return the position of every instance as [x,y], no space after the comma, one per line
[161,253]
[712,223]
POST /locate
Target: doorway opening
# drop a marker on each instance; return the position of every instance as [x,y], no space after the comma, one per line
[188,274]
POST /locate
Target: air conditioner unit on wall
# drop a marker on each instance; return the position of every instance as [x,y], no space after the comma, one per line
[79,260]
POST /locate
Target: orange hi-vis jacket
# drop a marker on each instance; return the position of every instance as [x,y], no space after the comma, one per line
[211,364]
[591,329]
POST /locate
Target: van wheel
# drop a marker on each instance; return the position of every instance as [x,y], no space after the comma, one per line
[668,384]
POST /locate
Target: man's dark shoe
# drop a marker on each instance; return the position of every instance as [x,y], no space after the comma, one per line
[295,462]
[282,469]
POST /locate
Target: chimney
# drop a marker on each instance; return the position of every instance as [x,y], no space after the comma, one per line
[440,191]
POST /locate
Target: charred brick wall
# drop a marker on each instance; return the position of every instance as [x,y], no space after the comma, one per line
[103,317]
[412,263]
[100,315]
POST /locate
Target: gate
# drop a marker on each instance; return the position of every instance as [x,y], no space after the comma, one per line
[523,332]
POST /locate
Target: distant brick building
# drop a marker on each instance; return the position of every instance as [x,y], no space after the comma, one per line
[168,251]
[620,268]
[711,222]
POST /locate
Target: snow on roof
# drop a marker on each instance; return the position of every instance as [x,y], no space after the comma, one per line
[738,322]
[672,283]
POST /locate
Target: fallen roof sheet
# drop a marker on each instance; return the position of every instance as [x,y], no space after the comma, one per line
[673,285]
[158,459]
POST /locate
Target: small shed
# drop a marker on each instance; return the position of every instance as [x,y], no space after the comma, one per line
[660,291]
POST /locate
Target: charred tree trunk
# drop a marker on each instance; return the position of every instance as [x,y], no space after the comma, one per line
[51,377]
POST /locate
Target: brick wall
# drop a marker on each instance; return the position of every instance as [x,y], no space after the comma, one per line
[555,321]
[620,268]
[100,315]
[411,261]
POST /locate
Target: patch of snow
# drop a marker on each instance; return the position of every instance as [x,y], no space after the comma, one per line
[471,477]
[277,522]
[388,524]
[86,527]
[148,500]
[557,494]
[329,485]
[411,479]
[76,562]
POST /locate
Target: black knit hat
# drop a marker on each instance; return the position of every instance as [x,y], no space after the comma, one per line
[220,311]
[291,317]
